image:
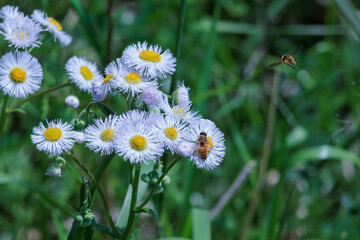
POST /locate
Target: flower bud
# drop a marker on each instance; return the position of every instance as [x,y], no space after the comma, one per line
[182,96]
[166,180]
[53,170]
[145,178]
[152,97]
[79,137]
[72,101]
[185,149]
[154,180]
[98,90]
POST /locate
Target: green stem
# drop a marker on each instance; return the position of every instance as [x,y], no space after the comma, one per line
[3,114]
[79,233]
[101,193]
[38,95]
[178,43]
[157,183]
[134,193]
[99,172]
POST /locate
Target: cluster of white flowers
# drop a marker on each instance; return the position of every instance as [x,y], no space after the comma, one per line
[140,135]
[21,73]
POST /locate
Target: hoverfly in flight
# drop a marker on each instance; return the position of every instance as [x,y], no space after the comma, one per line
[287,59]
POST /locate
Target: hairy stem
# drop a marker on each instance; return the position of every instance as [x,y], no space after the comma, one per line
[134,193]
[38,95]
[101,193]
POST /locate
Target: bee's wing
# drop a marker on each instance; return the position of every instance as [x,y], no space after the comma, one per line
[297,50]
[275,64]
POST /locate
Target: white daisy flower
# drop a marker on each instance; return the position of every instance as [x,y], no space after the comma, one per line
[20,31]
[182,96]
[149,60]
[72,101]
[137,139]
[100,136]
[214,143]
[130,81]
[111,78]
[172,130]
[52,26]
[82,72]
[54,139]
[20,74]
[79,137]
[184,113]
[10,12]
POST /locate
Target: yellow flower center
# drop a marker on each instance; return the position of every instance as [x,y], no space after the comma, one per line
[107,135]
[210,144]
[179,111]
[22,35]
[86,72]
[55,23]
[150,56]
[138,143]
[52,134]
[171,133]
[18,75]
[133,78]
[108,78]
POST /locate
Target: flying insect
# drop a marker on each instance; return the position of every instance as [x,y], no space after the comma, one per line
[288,59]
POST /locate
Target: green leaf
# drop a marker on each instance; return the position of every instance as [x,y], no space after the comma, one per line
[105,109]
[322,153]
[6,179]
[348,12]
[174,238]
[201,224]
[124,213]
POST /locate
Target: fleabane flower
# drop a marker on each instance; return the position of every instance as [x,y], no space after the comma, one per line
[209,141]
[52,26]
[21,31]
[82,72]
[54,139]
[100,136]
[149,60]
[130,81]
[10,12]
[172,131]
[20,74]
[137,139]
[182,96]
[185,113]
[111,79]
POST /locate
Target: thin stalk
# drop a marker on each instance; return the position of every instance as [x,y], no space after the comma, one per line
[38,95]
[79,233]
[134,193]
[265,156]
[4,114]
[157,183]
[178,44]
[101,193]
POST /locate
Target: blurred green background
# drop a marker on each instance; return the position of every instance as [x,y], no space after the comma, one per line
[226,48]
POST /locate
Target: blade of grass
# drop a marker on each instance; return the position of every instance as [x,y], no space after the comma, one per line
[201,224]
[348,12]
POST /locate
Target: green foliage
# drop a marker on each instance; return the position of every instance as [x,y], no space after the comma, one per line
[225,50]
